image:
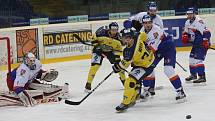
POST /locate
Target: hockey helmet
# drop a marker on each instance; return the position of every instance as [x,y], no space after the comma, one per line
[29,59]
[113,25]
[152,5]
[191,10]
[128,32]
[146,18]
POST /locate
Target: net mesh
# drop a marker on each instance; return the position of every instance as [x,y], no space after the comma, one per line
[3,63]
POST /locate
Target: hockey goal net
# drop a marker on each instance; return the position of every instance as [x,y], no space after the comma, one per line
[5,62]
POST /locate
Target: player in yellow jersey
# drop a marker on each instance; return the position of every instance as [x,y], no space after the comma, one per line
[140,58]
[107,44]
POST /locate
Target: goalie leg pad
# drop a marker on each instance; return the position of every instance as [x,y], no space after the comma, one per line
[49,90]
[26,99]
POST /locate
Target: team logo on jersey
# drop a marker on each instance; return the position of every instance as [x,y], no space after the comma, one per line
[201,21]
[22,72]
[155,35]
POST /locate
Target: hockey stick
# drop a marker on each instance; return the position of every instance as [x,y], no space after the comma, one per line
[211,48]
[79,102]
[181,66]
[86,43]
[83,42]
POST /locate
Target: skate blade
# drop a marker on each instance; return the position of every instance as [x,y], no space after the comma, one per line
[144,99]
[200,84]
[188,82]
[87,91]
[183,100]
[121,111]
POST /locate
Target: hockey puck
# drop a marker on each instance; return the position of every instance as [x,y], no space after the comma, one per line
[188,117]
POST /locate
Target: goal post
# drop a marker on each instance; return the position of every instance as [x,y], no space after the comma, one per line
[5,61]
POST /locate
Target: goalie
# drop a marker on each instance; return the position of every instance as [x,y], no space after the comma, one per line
[26,86]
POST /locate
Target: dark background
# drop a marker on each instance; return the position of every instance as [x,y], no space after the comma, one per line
[22,10]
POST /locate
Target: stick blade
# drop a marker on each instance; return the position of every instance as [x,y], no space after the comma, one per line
[71,102]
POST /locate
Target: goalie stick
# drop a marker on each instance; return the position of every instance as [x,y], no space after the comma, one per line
[79,102]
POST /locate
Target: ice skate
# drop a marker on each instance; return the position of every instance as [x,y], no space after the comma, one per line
[87,87]
[201,81]
[122,108]
[146,94]
[190,78]
[180,96]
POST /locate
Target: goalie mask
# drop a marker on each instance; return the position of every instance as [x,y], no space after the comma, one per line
[29,60]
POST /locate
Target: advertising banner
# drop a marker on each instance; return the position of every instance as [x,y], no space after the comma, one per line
[62,43]
[175,27]
[26,41]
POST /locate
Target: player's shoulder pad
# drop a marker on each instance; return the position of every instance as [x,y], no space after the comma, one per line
[101,31]
[158,16]
[23,69]
[200,20]
[38,63]
[187,22]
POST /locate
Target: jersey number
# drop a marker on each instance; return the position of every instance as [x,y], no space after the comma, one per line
[145,54]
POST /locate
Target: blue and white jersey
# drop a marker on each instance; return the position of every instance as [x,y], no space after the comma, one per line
[156,20]
[23,74]
[155,36]
[197,31]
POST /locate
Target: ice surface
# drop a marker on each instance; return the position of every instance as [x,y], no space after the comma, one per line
[100,106]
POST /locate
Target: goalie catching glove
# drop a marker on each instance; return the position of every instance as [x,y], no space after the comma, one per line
[49,76]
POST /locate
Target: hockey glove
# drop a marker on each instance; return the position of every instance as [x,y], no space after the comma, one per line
[184,38]
[205,44]
[95,43]
[116,68]
[157,54]
[49,76]
[127,24]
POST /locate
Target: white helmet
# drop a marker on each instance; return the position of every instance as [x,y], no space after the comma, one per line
[29,60]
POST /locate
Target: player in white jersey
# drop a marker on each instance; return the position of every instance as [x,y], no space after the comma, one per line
[163,47]
[136,20]
[196,33]
[27,76]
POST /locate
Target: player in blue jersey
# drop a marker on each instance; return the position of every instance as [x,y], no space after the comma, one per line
[163,47]
[136,20]
[197,33]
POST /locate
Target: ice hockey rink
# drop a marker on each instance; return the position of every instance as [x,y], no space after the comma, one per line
[100,106]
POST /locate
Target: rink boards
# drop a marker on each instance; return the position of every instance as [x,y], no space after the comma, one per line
[55,43]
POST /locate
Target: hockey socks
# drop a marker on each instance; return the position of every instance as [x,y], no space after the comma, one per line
[192,70]
[92,73]
[200,69]
[176,82]
[149,82]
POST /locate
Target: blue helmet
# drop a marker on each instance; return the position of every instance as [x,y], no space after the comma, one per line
[113,25]
[152,6]
[146,18]
[191,10]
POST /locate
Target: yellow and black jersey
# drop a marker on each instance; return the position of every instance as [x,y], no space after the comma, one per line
[104,41]
[138,54]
